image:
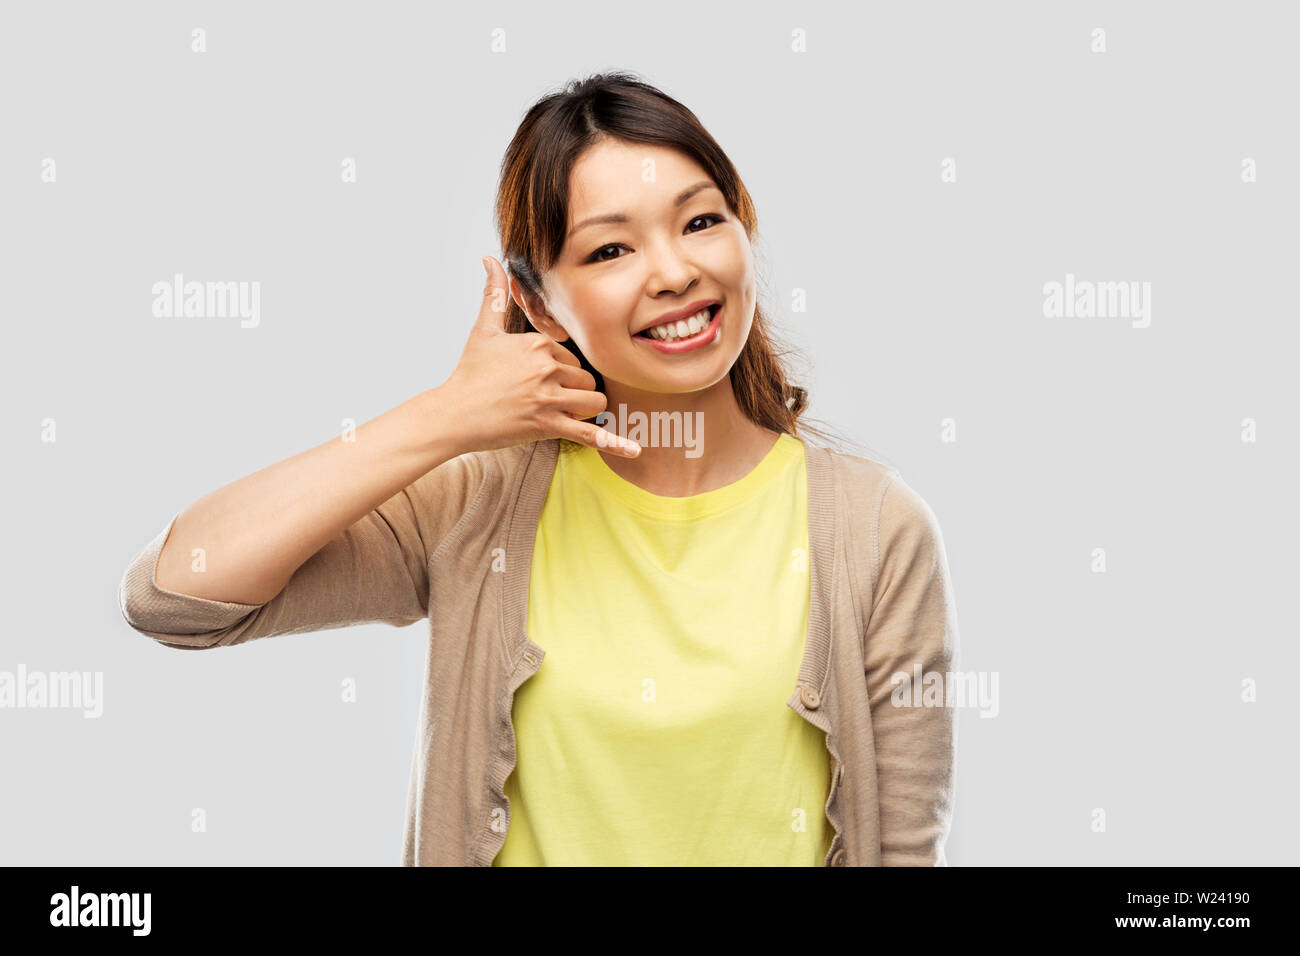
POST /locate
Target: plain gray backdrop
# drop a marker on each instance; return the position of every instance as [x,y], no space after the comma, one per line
[1119,691]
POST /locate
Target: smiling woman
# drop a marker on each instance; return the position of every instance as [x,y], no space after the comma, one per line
[676,652]
[670,590]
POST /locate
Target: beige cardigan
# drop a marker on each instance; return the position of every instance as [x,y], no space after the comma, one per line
[456,547]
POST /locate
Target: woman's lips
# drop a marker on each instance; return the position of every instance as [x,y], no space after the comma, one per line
[703,337]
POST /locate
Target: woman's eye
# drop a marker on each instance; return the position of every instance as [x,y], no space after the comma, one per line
[598,257]
[716,218]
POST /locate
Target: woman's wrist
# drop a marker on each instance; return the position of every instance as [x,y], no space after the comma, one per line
[438,427]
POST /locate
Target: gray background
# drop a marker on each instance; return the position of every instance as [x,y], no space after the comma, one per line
[1118,690]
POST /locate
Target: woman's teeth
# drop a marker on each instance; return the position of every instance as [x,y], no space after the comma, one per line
[680,329]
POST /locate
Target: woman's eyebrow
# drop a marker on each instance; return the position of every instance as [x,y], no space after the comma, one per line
[682,197]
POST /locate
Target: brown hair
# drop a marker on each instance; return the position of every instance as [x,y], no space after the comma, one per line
[532,214]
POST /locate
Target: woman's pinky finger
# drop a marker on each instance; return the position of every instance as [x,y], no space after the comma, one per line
[593,436]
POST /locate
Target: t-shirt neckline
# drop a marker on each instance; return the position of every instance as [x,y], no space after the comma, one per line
[783,450]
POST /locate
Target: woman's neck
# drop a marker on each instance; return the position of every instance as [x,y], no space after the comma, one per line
[691,442]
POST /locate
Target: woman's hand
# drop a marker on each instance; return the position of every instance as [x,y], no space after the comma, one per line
[508,389]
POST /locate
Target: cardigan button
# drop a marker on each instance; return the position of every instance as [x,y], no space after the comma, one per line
[811,699]
[841,858]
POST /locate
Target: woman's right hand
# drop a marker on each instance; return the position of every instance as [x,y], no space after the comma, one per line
[511,388]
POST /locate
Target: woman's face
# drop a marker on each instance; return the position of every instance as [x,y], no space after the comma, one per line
[615,279]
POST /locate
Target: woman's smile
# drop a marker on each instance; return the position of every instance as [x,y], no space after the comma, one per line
[681,338]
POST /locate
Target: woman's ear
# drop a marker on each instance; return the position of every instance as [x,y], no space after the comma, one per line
[535,309]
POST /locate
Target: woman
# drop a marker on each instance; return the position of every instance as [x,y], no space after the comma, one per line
[724,610]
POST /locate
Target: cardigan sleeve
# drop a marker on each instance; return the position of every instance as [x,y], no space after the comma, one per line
[374,571]
[913,627]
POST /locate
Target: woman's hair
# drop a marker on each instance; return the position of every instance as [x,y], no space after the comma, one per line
[532,215]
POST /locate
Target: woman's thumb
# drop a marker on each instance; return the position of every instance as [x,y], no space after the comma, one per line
[496,295]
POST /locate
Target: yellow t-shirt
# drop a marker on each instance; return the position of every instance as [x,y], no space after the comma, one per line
[656,731]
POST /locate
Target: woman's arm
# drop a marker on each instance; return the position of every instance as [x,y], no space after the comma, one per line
[242,543]
[375,569]
[341,533]
[913,625]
